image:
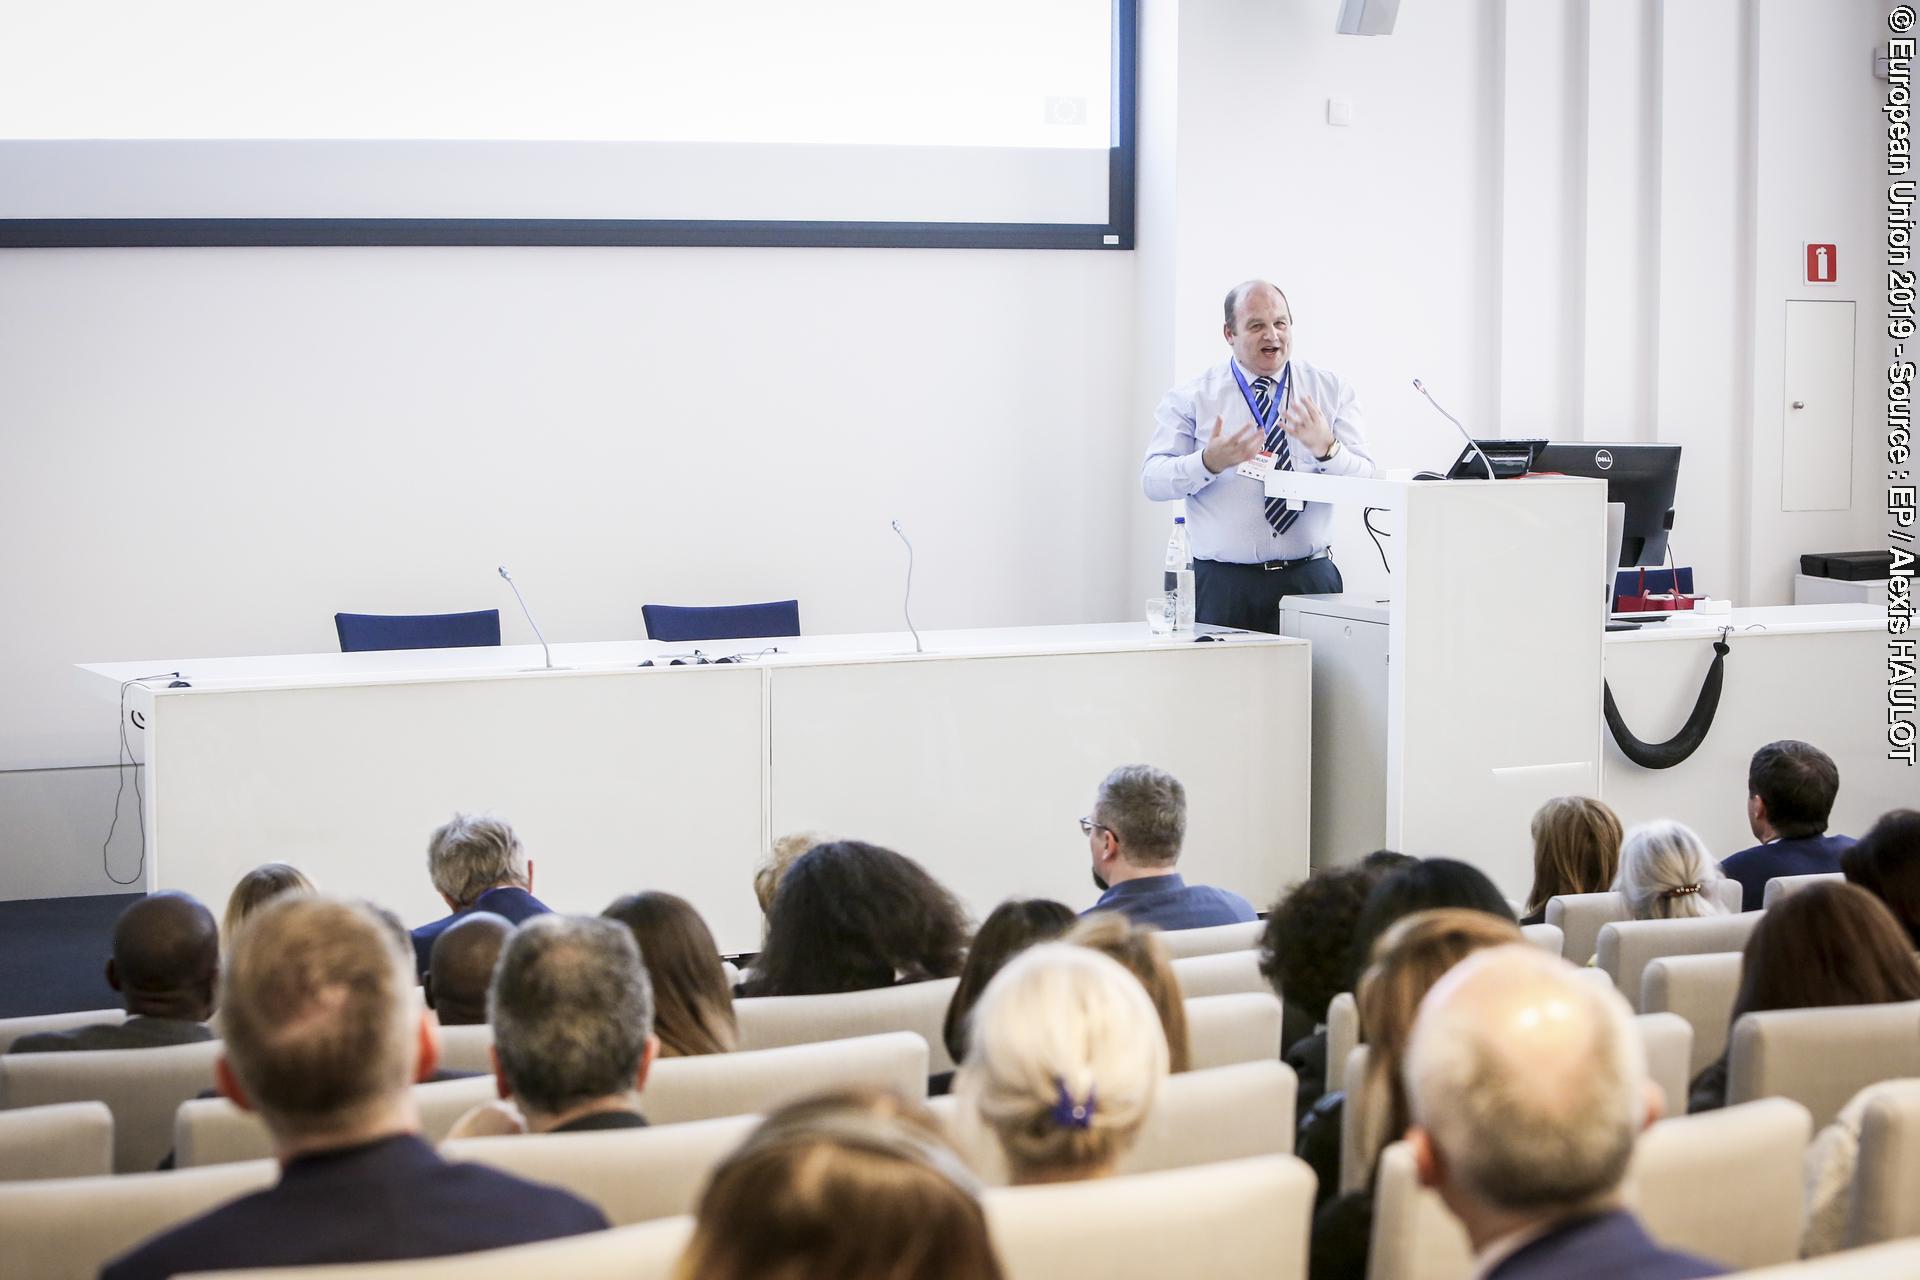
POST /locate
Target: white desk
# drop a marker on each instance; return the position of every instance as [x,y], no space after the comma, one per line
[1813,672]
[974,758]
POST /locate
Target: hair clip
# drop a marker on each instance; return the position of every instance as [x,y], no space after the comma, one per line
[1683,890]
[1069,1114]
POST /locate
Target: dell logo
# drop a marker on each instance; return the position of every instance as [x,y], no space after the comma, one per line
[1603,459]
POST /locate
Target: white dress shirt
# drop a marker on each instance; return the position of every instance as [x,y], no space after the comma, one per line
[1226,513]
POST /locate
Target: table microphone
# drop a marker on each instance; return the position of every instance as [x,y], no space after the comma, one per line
[906,605]
[530,622]
[1473,446]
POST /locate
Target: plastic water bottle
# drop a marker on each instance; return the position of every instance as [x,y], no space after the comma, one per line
[1179,577]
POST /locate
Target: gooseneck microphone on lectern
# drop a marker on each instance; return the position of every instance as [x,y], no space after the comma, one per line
[1472,444]
[530,622]
[906,604]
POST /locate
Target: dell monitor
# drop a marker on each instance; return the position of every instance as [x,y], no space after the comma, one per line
[1640,476]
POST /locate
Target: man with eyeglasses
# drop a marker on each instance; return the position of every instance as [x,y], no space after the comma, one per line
[1134,834]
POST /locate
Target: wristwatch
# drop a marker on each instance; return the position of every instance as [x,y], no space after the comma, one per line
[1332,452]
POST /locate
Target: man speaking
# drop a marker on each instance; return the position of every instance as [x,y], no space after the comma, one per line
[1216,437]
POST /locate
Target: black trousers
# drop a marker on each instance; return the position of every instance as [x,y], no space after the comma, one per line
[1248,596]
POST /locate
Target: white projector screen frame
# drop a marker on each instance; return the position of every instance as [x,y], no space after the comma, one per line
[449,179]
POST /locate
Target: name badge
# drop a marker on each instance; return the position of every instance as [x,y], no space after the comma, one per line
[1258,467]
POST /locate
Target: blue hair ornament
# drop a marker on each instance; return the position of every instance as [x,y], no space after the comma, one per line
[1069,1113]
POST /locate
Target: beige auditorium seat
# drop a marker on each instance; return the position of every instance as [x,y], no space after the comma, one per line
[1886,1183]
[1223,973]
[1242,1220]
[1725,1185]
[1666,1038]
[646,1251]
[1580,915]
[467,1048]
[1237,1220]
[214,1131]
[66,1140]
[1780,886]
[1212,941]
[66,1228]
[633,1175]
[769,1022]
[1223,1030]
[142,1087]
[1897,1261]
[1626,947]
[1343,1029]
[1547,937]
[12,1029]
[209,1131]
[1820,1058]
[1700,989]
[1200,1117]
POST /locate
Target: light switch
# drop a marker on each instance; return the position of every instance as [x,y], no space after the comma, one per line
[1339,111]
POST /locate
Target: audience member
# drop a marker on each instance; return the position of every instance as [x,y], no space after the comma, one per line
[1141,952]
[1828,944]
[1576,849]
[1064,1062]
[692,1003]
[572,1015]
[1790,791]
[1527,1089]
[323,1040]
[256,888]
[1013,926]
[1666,873]
[1409,958]
[460,967]
[1886,863]
[853,1185]
[1426,885]
[850,917]
[165,964]
[477,865]
[786,849]
[1303,954]
[1134,833]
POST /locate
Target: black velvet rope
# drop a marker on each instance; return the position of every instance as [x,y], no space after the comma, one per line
[1665,755]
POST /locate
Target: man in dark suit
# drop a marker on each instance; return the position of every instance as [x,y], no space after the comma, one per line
[1528,1088]
[476,864]
[1134,834]
[165,964]
[572,1014]
[324,1041]
[1790,791]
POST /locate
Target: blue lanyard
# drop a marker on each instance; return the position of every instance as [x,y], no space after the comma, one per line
[1285,389]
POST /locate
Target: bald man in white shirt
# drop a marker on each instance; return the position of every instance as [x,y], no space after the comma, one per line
[1260,409]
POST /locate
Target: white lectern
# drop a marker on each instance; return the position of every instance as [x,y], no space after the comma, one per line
[1445,714]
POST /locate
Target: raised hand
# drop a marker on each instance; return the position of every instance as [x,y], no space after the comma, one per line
[1224,452]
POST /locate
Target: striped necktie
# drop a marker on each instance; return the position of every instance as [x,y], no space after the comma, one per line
[1277,513]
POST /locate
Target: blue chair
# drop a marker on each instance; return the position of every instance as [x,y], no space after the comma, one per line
[679,624]
[365,632]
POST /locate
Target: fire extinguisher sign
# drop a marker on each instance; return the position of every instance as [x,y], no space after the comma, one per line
[1823,265]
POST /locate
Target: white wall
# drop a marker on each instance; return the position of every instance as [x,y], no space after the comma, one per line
[210,451]
[1570,218]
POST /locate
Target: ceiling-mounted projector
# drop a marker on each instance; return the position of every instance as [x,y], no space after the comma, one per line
[1368,17]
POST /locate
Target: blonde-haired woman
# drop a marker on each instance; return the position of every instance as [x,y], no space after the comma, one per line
[1064,1062]
[257,888]
[1142,952]
[1666,873]
[1576,849]
[1407,960]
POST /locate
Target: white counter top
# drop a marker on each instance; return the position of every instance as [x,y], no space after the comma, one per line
[605,656]
[1783,619]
